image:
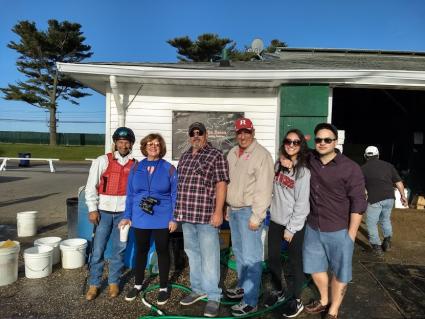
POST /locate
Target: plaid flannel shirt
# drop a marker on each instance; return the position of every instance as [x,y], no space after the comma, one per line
[196,191]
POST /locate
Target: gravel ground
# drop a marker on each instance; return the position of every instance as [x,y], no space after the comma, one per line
[61,295]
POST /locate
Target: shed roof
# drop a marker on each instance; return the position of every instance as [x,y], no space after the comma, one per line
[338,67]
[315,59]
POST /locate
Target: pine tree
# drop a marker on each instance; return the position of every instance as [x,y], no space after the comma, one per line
[38,53]
[204,49]
[209,46]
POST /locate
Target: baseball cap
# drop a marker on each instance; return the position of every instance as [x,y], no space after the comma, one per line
[197,126]
[371,151]
[243,123]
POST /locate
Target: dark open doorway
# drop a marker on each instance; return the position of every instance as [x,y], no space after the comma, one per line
[388,119]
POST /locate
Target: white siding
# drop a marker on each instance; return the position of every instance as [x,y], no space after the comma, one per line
[151,111]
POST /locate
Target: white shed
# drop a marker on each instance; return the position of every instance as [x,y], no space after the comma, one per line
[375,97]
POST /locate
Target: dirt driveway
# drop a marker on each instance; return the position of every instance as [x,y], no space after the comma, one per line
[392,287]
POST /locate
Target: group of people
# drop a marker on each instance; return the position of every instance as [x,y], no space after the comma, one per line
[316,200]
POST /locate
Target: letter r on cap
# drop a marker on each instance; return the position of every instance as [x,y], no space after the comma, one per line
[242,122]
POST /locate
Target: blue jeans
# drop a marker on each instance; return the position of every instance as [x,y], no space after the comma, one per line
[108,227]
[379,212]
[202,246]
[248,249]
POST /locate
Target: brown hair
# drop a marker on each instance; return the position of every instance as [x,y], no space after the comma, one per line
[150,138]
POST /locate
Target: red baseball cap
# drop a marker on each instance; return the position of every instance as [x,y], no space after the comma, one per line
[243,124]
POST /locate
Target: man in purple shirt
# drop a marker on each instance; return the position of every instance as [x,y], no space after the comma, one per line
[337,200]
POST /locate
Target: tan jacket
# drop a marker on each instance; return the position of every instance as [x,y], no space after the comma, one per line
[251,180]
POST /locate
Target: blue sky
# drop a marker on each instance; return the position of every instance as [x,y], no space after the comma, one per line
[137,31]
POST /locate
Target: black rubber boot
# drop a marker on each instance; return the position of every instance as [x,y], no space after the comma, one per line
[386,244]
[377,250]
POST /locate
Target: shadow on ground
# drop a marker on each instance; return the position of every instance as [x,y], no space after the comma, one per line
[7,179]
[25,199]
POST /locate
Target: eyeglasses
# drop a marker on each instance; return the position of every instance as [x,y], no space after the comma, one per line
[287,141]
[327,140]
[196,132]
[150,144]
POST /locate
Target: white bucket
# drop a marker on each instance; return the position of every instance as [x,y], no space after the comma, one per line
[27,223]
[9,264]
[73,253]
[51,242]
[38,261]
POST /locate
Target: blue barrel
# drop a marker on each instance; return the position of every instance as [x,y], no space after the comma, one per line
[72,216]
[24,162]
[85,229]
[130,253]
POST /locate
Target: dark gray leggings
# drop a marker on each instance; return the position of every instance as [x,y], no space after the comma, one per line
[295,254]
[143,238]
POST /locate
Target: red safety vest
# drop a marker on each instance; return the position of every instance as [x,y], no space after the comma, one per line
[114,180]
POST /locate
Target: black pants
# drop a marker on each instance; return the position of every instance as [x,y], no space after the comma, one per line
[295,254]
[143,237]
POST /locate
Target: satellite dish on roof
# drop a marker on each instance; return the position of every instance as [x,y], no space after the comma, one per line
[257,46]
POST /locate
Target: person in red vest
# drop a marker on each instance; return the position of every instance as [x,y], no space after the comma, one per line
[105,198]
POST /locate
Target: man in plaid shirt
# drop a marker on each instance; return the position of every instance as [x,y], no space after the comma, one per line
[203,176]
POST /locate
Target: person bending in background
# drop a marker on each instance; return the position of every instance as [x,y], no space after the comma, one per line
[151,198]
[380,178]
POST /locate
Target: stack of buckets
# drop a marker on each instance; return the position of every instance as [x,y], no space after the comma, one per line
[47,252]
[40,258]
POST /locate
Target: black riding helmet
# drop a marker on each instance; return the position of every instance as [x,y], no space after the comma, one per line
[124,133]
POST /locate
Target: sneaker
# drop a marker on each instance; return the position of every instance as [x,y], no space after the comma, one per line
[316,307]
[293,309]
[234,293]
[211,309]
[377,250]
[386,244]
[242,309]
[163,297]
[274,297]
[192,298]
[132,294]
[236,306]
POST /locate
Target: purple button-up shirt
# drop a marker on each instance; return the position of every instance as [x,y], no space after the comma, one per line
[337,189]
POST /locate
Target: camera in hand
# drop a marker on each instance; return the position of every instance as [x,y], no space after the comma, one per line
[147,204]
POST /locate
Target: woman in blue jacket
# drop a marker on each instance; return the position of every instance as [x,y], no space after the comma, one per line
[151,198]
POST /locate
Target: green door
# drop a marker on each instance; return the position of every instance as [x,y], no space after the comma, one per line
[302,107]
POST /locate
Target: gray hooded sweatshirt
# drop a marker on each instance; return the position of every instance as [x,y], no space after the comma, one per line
[291,199]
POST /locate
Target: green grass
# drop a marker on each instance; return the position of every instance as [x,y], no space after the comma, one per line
[65,153]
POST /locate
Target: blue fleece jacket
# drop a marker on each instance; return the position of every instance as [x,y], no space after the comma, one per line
[161,185]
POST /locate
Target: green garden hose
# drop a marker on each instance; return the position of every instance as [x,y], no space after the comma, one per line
[186,289]
[225,260]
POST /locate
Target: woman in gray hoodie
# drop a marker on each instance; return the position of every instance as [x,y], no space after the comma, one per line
[289,209]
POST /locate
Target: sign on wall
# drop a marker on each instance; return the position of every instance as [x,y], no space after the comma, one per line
[220,127]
